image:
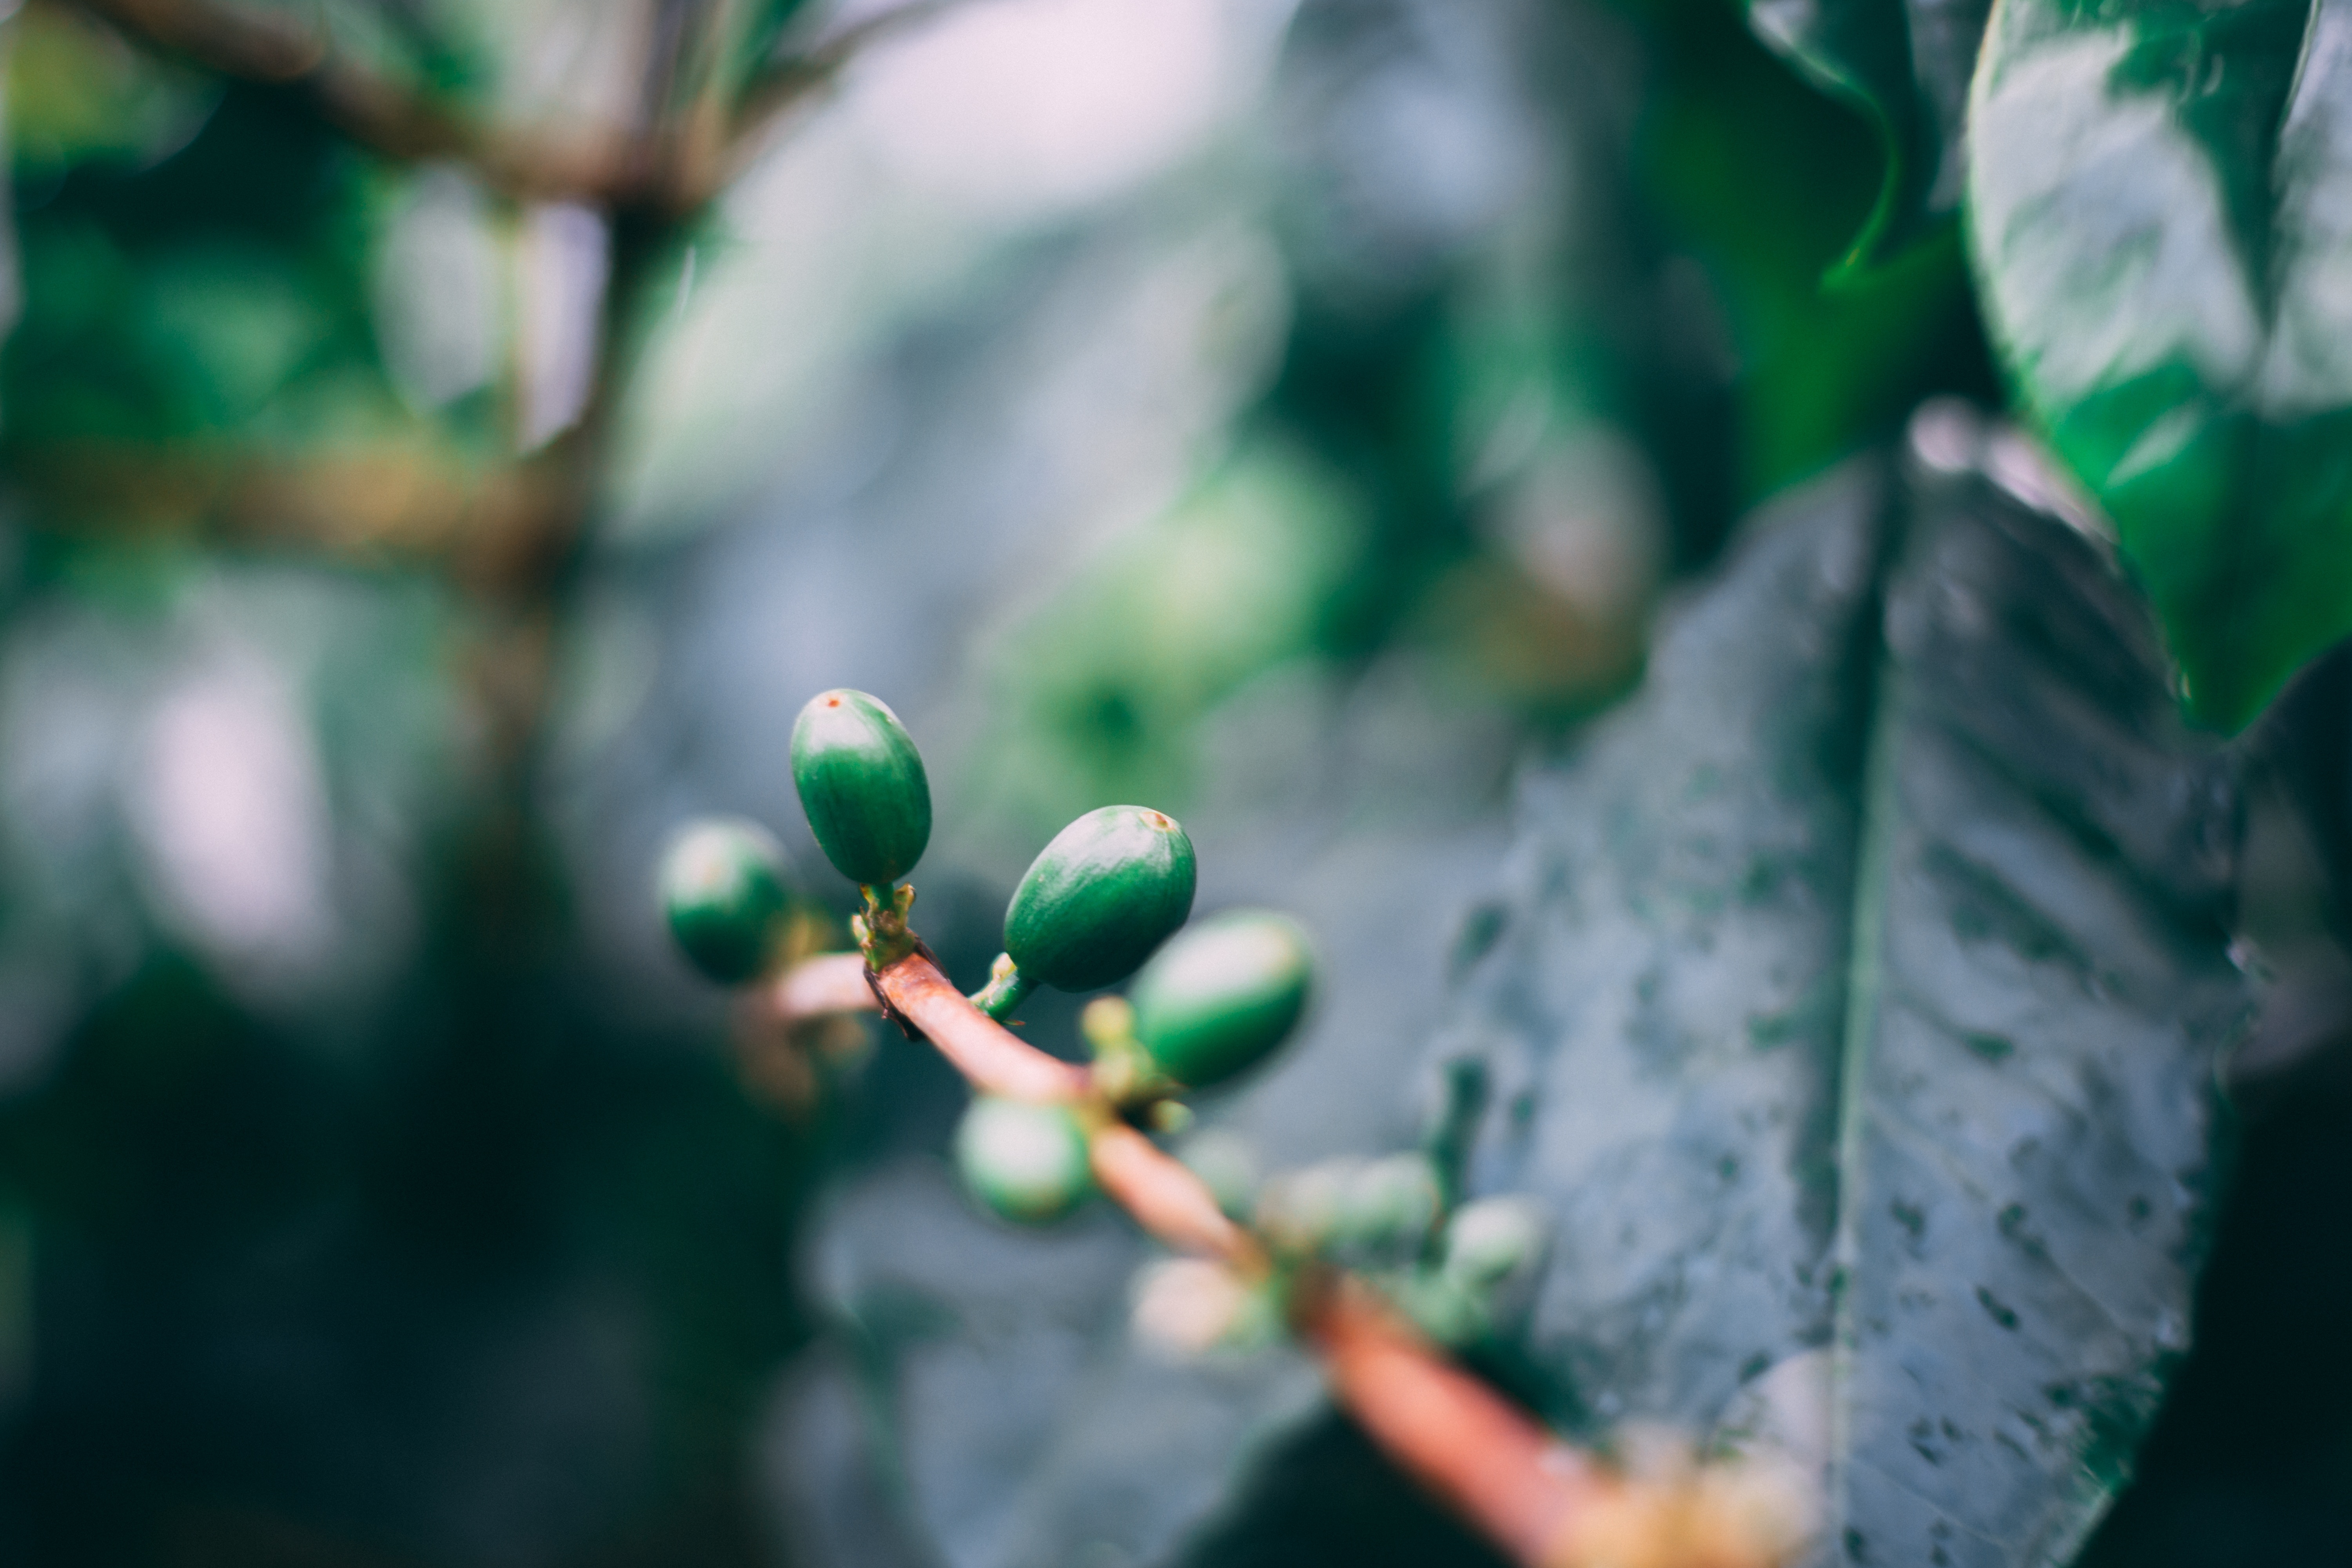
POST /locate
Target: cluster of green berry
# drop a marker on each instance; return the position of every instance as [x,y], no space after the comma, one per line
[1111,889]
[1391,1221]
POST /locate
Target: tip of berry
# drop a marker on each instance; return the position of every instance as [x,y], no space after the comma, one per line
[833,702]
[1157,819]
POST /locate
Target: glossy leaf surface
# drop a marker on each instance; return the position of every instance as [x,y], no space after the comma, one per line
[1855,1009]
[2161,196]
[1906,64]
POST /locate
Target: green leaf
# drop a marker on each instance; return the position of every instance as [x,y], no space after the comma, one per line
[2159,197]
[1906,64]
[1854,1009]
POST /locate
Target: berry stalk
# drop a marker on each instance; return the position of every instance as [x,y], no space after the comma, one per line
[1547,1504]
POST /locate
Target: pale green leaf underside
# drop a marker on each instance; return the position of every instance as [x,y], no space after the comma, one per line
[2160,200]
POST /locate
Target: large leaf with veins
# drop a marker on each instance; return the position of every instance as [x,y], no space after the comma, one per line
[1854,1006]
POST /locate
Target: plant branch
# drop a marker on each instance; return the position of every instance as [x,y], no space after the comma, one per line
[673,171]
[995,1059]
[1167,1199]
[1457,1436]
[606,170]
[1544,1502]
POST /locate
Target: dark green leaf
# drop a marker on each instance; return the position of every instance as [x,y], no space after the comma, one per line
[1906,64]
[2159,196]
[1854,1009]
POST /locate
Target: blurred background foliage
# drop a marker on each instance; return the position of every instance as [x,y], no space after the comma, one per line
[1278,413]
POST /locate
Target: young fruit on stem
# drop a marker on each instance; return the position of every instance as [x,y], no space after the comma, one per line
[722,892]
[1006,989]
[1108,890]
[861,781]
[1221,997]
[1026,1160]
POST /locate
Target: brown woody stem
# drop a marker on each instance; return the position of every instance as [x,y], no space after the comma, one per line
[1167,1199]
[1545,1503]
[1456,1436]
[992,1057]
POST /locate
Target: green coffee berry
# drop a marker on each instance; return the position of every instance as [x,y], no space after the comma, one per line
[1362,1209]
[861,781]
[722,892]
[1442,1307]
[1023,1159]
[1489,1240]
[1227,1167]
[1305,1210]
[1222,995]
[1105,892]
[1390,1204]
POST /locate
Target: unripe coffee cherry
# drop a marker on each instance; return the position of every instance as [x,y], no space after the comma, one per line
[1489,1240]
[1024,1160]
[722,892]
[861,781]
[1389,1205]
[1222,995]
[1105,892]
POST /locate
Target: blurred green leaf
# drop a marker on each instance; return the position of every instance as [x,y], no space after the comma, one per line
[1906,64]
[1104,684]
[78,93]
[1763,184]
[2161,198]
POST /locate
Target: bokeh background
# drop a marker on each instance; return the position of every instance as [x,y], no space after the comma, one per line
[1284,413]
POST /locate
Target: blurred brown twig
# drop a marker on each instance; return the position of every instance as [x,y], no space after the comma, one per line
[670,165]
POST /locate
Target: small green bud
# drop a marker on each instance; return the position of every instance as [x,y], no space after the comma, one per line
[722,892]
[1490,1240]
[1303,1211]
[1226,1165]
[1105,892]
[1359,1209]
[861,781]
[1190,1305]
[1222,995]
[1025,1160]
[1390,1204]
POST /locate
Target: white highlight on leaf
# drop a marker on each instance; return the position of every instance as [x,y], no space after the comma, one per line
[2309,369]
[436,304]
[1025,104]
[228,806]
[2095,291]
[564,266]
